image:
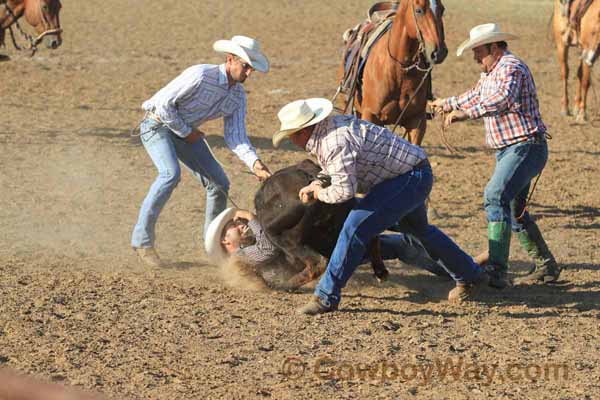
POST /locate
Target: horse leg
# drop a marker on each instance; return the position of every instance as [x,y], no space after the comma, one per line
[371,117]
[416,131]
[584,83]
[3,57]
[379,269]
[579,111]
[562,51]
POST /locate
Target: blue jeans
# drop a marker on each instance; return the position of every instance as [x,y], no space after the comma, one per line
[410,251]
[165,149]
[506,193]
[397,199]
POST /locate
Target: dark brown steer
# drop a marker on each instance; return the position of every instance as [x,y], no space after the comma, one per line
[305,232]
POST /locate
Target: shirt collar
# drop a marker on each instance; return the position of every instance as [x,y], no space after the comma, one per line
[222,75]
[311,144]
[506,52]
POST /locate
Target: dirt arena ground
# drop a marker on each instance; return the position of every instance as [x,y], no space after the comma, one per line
[77,308]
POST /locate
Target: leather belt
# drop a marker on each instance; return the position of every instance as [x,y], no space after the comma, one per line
[152,116]
[422,164]
[537,138]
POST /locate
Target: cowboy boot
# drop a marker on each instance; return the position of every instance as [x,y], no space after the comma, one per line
[499,247]
[148,256]
[316,306]
[468,291]
[546,269]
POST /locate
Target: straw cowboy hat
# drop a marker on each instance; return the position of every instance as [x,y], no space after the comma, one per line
[484,34]
[299,114]
[247,49]
[212,241]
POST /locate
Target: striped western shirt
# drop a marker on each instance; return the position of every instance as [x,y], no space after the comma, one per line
[202,93]
[358,155]
[507,100]
[260,252]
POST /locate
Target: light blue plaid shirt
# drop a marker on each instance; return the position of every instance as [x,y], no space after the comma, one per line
[201,93]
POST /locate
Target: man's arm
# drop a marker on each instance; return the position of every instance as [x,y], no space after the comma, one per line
[263,250]
[340,166]
[236,138]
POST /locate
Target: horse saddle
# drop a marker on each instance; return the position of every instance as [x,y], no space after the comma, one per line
[359,40]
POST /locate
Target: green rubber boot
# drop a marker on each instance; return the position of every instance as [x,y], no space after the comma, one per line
[499,248]
[546,269]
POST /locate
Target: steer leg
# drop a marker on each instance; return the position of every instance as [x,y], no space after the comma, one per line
[299,256]
[379,269]
[312,270]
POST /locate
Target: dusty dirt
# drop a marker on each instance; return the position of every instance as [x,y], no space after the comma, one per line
[77,308]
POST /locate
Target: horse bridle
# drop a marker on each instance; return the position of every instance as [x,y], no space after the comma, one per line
[418,55]
[33,42]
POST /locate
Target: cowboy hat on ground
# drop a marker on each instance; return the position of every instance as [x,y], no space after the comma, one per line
[484,34]
[247,49]
[212,241]
[299,114]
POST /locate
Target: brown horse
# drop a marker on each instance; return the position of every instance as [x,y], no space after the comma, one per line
[396,74]
[43,15]
[589,42]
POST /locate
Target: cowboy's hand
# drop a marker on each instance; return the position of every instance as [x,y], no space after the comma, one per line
[261,171]
[311,192]
[194,136]
[455,116]
[437,105]
[243,214]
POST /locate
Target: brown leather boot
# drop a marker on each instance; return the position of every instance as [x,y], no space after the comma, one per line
[148,256]
[315,306]
[468,291]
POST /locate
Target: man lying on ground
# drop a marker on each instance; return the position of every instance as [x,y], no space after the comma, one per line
[238,233]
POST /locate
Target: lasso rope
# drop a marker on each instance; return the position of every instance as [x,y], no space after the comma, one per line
[445,140]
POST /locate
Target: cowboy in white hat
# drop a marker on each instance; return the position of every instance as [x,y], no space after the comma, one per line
[396,178]
[505,97]
[170,133]
[227,235]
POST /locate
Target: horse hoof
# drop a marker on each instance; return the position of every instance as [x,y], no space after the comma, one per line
[4,57]
[382,276]
[565,113]
[580,119]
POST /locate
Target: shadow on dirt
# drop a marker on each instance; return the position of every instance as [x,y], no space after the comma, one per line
[423,288]
[183,265]
[580,211]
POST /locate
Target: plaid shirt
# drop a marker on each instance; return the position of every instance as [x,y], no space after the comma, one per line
[506,98]
[260,252]
[201,93]
[358,155]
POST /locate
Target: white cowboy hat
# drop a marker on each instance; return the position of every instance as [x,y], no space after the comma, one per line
[212,241]
[300,114]
[484,34]
[247,49]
